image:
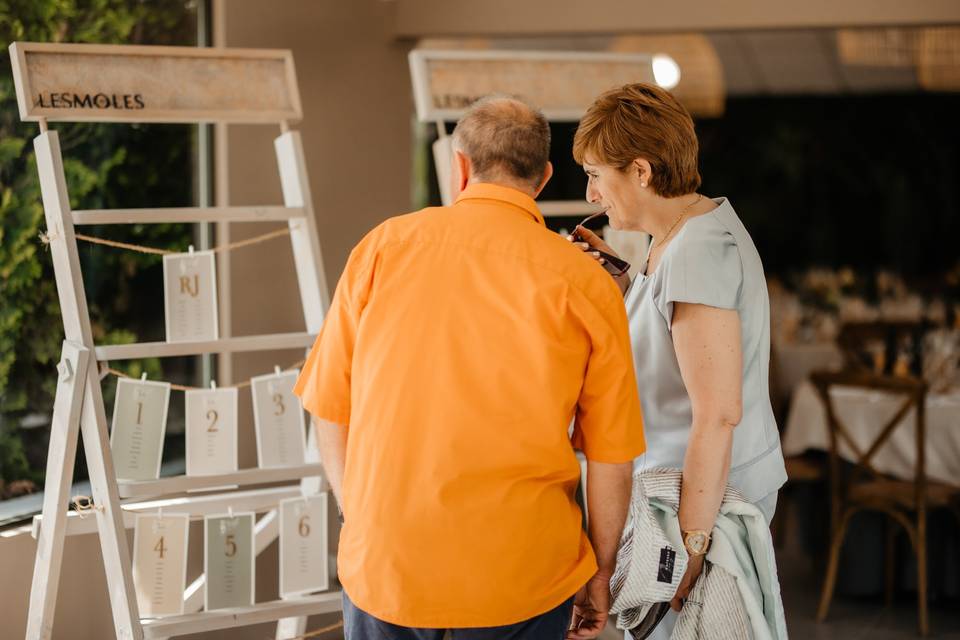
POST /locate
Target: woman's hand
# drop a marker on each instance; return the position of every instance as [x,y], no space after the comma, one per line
[592,244]
[694,569]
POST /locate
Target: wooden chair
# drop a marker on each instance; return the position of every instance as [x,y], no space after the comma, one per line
[860,487]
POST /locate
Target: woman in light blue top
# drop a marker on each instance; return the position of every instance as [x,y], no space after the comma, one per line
[698,309]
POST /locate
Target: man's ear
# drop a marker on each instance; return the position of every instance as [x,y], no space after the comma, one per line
[463,170]
[547,174]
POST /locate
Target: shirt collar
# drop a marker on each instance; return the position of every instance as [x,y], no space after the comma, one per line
[487,191]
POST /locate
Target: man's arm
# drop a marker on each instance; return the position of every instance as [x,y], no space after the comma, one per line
[332,442]
[608,495]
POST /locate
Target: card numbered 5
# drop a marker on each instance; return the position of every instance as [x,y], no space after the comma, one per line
[139,424]
[228,560]
[278,420]
[190,296]
[211,431]
[160,563]
[303,546]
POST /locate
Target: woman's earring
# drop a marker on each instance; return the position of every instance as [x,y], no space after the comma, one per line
[643,184]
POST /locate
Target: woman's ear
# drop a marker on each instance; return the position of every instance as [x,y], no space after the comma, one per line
[641,169]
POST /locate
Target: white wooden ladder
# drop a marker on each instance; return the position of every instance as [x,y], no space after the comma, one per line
[79,407]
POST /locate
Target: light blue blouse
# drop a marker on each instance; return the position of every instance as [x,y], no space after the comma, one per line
[711,261]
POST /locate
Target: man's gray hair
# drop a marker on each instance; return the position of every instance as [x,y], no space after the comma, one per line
[505,137]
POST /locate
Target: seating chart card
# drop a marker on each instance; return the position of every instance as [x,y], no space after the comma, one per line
[139,423]
[303,545]
[278,418]
[228,560]
[190,296]
[211,431]
[160,563]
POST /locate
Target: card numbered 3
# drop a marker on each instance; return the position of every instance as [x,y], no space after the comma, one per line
[303,546]
[190,296]
[278,420]
[228,561]
[211,425]
[139,425]
[160,563]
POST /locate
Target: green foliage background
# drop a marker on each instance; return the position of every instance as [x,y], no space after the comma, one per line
[106,166]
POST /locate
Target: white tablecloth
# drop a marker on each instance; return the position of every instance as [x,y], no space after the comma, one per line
[864,413]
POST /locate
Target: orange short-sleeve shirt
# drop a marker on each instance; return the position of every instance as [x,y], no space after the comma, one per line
[460,343]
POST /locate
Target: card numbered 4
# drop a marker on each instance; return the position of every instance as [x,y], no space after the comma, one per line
[228,560]
[211,438]
[139,424]
[160,563]
[303,546]
[190,296]
[278,420]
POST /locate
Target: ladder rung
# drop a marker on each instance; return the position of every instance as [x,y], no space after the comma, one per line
[256,500]
[242,616]
[182,484]
[187,214]
[267,342]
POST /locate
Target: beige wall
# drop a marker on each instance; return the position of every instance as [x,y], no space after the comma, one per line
[416,18]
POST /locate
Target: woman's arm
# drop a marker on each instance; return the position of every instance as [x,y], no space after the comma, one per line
[707,343]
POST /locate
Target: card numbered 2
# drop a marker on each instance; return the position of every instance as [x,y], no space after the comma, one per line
[303,546]
[190,296]
[211,419]
[278,418]
[228,561]
[160,563]
[139,424]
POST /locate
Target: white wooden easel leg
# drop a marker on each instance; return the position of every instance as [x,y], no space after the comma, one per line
[61,455]
[113,535]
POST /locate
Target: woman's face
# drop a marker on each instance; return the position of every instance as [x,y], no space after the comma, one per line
[618,192]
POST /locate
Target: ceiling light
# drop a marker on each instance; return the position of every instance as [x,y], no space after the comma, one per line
[666,71]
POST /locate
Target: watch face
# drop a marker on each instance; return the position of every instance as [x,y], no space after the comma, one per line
[697,542]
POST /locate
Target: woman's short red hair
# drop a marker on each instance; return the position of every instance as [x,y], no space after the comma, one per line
[642,121]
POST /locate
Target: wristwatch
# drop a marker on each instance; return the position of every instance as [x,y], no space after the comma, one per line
[697,542]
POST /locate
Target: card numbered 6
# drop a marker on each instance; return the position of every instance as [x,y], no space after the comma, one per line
[228,561]
[211,417]
[303,546]
[278,418]
[160,563]
[190,296]
[139,424]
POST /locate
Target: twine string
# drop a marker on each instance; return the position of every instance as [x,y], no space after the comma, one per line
[46,238]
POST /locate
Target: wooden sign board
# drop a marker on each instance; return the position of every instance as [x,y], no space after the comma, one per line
[561,83]
[128,83]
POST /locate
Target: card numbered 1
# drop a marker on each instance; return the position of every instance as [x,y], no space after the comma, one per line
[160,563]
[278,420]
[190,296]
[303,546]
[228,561]
[139,424]
[211,419]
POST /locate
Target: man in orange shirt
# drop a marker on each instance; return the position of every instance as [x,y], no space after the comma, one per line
[460,343]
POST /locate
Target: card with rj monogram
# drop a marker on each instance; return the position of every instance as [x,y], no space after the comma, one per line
[190,296]
[278,419]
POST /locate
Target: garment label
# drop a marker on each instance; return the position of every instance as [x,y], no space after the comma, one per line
[278,418]
[228,560]
[211,416]
[139,424]
[665,569]
[160,563]
[190,296]
[303,545]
